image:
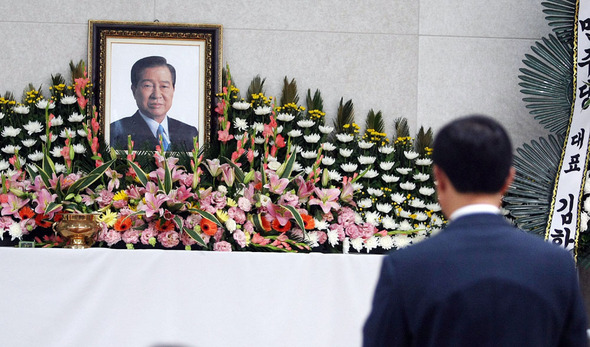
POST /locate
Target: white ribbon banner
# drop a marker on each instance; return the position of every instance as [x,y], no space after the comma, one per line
[564,217]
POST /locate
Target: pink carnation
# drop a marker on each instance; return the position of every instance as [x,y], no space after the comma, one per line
[237,214]
[346,216]
[111,237]
[130,236]
[169,239]
[222,246]
[352,231]
[240,238]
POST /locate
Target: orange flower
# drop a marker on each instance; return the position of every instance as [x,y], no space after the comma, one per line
[308,221]
[208,227]
[165,226]
[123,224]
[258,186]
[281,228]
[26,213]
[265,223]
[42,221]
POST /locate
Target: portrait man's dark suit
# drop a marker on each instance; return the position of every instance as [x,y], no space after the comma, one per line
[181,134]
[480,281]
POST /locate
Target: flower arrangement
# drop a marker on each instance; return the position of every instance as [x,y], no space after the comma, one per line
[278,178]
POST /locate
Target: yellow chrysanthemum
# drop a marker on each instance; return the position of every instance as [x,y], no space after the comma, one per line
[108,217]
[222,216]
[231,202]
[120,195]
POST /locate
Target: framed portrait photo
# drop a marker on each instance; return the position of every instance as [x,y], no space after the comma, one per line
[155,81]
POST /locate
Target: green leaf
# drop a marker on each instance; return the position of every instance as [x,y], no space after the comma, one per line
[237,170]
[195,236]
[167,178]
[92,177]
[288,166]
[257,220]
[207,215]
[52,206]
[296,216]
[141,175]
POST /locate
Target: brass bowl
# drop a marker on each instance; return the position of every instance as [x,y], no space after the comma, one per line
[78,228]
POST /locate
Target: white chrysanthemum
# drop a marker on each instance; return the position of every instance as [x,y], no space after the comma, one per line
[10,149]
[385,208]
[366,145]
[358,219]
[389,223]
[328,146]
[75,117]
[436,219]
[4,164]
[403,170]
[411,155]
[262,110]
[56,152]
[386,242]
[296,149]
[332,237]
[274,165]
[2,115]
[404,214]
[57,121]
[426,191]
[434,207]
[371,174]
[371,243]
[349,167]
[33,127]
[307,170]
[434,231]
[259,140]
[312,239]
[29,142]
[373,218]
[15,230]
[584,218]
[81,132]
[295,133]
[68,100]
[389,178]
[586,185]
[79,148]
[587,204]
[256,153]
[279,129]
[334,175]
[67,132]
[297,167]
[421,177]
[366,160]
[344,138]
[423,161]
[271,158]
[321,224]
[10,131]
[417,203]
[36,156]
[21,109]
[420,216]
[42,104]
[240,124]
[357,186]
[407,186]
[401,241]
[258,127]
[309,154]
[405,226]
[59,168]
[239,137]
[386,165]
[357,244]
[328,161]
[241,105]
[398,197]
[386,149]
[345,152]
[375,192]
[325,129]
[365,203]
[231,225]
[305,123]
[285,117]
[312,138]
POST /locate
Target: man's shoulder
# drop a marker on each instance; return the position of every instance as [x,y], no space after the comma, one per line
[172,122]
[125,121]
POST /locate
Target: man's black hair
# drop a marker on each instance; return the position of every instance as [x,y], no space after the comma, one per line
[147,62]
[475,152]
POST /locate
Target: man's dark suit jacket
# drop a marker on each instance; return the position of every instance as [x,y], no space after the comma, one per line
[479,282]
[181,134]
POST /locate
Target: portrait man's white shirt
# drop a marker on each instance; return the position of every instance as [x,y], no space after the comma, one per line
[153,125]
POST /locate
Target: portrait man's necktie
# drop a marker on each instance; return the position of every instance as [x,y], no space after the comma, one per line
[165,142]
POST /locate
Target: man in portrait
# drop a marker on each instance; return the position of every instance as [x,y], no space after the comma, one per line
[153,82]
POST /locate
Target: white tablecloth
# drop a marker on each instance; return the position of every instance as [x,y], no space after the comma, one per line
[105,297]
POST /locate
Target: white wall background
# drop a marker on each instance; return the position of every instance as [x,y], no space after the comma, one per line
[426,60]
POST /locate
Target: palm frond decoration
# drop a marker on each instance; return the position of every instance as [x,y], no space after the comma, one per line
[375,121]
[289,92]
[529,198]
[78,70]
[256,87]
[401,128]
[548,83]
[561,15]
[316,102]
[424,139]
[344,116]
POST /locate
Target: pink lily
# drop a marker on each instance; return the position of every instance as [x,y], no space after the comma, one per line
[326,199]
[279,212]
[153,204]
[13,205]
[276,185]
[44,197]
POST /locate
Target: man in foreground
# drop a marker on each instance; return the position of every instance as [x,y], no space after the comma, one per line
[480,281]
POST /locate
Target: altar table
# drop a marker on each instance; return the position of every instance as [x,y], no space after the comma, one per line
[149,298]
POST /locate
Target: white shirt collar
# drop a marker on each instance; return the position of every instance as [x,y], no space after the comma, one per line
[475,208]
[153,125]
